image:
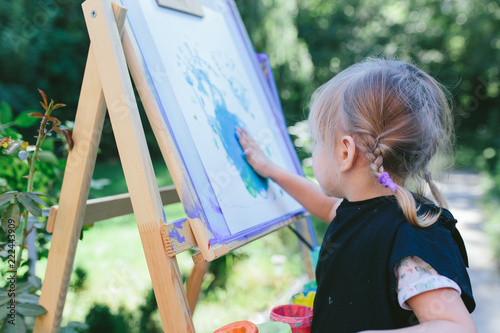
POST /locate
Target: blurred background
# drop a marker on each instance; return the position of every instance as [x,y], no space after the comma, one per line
[44,45]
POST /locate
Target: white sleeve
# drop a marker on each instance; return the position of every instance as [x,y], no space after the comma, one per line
[415,276]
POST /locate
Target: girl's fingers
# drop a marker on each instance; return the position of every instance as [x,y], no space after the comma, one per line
[247,142]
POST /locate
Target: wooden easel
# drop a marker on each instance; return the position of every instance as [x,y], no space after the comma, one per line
[107,83]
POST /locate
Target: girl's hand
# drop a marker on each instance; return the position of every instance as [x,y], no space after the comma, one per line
[255,156]
[307,193]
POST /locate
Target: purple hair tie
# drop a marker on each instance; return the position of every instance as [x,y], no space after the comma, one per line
[386,181]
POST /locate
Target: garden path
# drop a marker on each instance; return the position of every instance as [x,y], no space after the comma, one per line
[463,190]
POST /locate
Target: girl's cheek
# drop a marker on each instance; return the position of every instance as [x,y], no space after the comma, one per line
[316,165]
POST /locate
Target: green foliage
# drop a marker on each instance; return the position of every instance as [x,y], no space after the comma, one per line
[146,310]
[220,270]
[80,279]
[454,41]
[31,40]
[25,303]
[271,25]
[100,319]
[22,288]
[308,41]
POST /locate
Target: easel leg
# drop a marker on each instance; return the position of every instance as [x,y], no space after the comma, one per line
[194,284]
[137,165]
[74,193]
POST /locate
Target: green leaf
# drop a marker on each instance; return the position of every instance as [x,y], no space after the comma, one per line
[5,113]
[4,300]
[11,213]
[24,120]
[4,311]
[29,309]
[40,194]
[29,204]
[35,281]
[47,157]
[36,198]
[6,197]
[19,327]
[22,287]
[28,298]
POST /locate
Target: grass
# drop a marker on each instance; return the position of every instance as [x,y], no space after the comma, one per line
[112,256]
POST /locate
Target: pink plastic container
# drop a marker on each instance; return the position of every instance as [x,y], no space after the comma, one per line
[299,317]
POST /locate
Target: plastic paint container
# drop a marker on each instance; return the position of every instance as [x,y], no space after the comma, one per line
[304,298]
[311,285]
[314,255]
[239,327]
[274,327]
[299,317]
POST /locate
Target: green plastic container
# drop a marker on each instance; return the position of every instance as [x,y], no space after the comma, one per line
[311,285]
[314,254]
[274,327]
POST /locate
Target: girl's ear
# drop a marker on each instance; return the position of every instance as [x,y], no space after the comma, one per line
[347,153]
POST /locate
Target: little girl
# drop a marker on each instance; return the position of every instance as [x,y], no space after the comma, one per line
[390,259]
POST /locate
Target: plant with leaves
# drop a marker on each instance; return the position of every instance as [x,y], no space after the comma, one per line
[20,299]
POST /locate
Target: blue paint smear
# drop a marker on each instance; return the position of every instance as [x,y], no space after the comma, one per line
[239,91]
[223,123]
[191,206]
[177,236]
[215,207]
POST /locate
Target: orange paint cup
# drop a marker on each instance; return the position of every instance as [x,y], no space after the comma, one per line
[239,327]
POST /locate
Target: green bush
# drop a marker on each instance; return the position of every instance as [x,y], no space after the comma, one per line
[100,319]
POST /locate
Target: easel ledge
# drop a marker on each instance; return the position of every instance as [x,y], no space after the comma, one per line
[108,207]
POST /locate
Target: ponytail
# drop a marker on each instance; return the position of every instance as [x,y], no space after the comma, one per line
[405,198]
[409,206]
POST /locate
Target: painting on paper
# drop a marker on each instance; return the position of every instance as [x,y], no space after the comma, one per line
[206,78]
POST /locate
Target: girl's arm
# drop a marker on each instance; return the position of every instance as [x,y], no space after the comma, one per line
[440,310]
[307,193]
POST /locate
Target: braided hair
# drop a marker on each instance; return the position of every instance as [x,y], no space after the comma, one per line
[399,118]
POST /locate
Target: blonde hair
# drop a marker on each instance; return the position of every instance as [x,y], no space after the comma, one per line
[399,118]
